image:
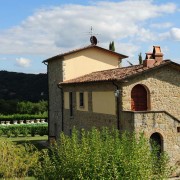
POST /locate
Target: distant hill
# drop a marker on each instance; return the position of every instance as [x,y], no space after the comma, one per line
[23,87]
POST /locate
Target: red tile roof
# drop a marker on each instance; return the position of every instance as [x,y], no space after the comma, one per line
[87,47]
[118,74]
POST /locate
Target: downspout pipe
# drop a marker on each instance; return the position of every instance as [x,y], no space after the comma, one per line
[62,105]
[117,93]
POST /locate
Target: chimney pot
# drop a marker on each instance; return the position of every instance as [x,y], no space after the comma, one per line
[156,57]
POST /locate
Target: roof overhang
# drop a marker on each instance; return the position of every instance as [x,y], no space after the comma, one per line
[121,56]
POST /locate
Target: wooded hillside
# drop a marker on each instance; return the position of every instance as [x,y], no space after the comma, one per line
[23,87]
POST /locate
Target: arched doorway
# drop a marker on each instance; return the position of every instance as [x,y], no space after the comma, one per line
[156,143]
[139,98]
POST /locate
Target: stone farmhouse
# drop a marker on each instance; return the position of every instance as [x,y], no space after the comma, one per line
[89,88]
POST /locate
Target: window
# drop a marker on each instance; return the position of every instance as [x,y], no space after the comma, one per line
[81,99]
[178,129]
[71,103]
[139,98]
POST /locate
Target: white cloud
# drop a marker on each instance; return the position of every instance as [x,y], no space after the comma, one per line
[175,34]
[23,62]
[161,25]
[57,29]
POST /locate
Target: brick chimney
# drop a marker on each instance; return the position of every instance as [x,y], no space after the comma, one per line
[154,58]
[158,55]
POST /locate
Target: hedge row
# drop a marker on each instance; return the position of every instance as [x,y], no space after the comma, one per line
[21,117]
[16,130]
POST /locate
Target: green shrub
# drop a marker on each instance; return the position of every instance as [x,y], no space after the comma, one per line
[9,133]
[1,132]
[16,132]
[101,155]
[34,130]
[25,129]
[16,160]
[43,131]
[22,117]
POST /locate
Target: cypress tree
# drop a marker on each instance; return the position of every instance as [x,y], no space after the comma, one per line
[140,58]
[113,46]
[110,46]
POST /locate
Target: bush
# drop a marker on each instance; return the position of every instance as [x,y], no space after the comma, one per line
[43,131]
[24,129]
[16,160]
[34,131]
[9,133]
[1,132]
[16,133]
[101,155]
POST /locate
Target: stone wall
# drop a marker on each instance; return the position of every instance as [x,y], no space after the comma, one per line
[87,120]
[163,87]
[127,121]
[55,75]
[165,125]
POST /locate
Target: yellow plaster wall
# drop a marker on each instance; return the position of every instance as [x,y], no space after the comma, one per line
[85,107]
[103,102]
[66,100]
[87,61]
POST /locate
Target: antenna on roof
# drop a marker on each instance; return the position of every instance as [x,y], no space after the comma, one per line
[93,38]
[129,63]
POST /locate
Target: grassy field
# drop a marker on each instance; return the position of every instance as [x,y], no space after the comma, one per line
[37,141]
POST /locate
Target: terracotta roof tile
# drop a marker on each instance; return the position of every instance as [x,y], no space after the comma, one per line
[117,74]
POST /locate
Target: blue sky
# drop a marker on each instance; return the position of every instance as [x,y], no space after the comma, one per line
[33,30]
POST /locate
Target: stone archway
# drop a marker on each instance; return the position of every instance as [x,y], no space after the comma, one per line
[157,140]
[139,98]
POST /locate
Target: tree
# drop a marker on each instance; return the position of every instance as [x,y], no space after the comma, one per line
[140,58]
[111,46]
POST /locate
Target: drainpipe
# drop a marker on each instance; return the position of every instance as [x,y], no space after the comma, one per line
[62,105]
[48,99]
[117,93]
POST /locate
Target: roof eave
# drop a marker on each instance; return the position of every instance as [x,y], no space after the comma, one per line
[125,79]
[91,46]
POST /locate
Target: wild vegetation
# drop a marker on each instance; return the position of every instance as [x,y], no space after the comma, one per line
[102,155]
[86,155]
[17,161]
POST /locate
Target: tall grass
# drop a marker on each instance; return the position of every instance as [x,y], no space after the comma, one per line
[16,161]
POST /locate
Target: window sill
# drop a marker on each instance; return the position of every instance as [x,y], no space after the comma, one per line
[81,107]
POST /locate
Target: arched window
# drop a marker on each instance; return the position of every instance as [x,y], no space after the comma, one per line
[156,142]
[139,98]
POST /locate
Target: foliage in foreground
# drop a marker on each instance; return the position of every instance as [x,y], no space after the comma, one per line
[16,160]
[102,155]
